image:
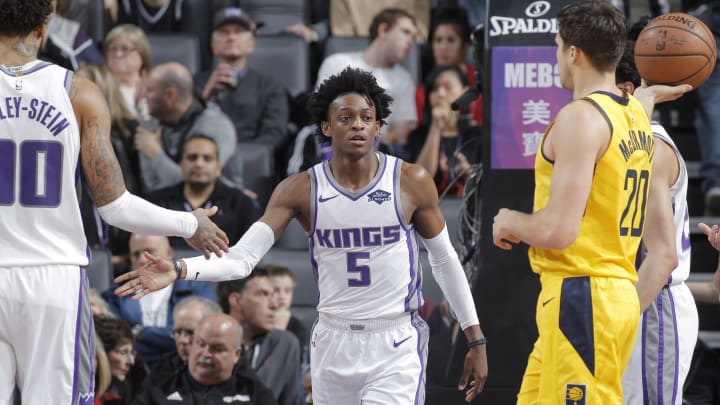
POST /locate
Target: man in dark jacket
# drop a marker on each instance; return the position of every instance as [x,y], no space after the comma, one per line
[202,187]
[211,376]
[274,355]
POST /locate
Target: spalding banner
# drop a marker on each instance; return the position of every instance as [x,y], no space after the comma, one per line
[525,92]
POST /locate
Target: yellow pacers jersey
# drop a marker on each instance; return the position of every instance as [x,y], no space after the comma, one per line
[615,213]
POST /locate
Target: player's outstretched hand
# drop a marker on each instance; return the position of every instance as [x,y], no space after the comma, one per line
[659,93]
[475,365]
[712,234]
[208,238]
[154,275]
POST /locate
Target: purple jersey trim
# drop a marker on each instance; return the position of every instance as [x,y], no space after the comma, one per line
[414,320]
[642,353]
[677,346]
[364,190]
[40,66]
[76,365]
[661,347]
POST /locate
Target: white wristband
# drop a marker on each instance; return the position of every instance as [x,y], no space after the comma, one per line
[134,214]
[238,262]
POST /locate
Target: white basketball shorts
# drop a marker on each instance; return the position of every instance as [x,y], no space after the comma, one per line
[46,335]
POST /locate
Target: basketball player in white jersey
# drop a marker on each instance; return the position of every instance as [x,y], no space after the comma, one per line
[361,211]
[669,324]
[47,117]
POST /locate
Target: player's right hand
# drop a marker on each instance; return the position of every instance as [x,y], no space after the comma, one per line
[157,273]
[208,238]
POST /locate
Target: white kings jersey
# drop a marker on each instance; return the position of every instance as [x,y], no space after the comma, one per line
[678,194]
[39,170]
[364,254]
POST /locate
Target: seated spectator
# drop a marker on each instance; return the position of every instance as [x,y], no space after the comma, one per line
[67,44]
[151,15]
[151,317]
[448,142]
[122,127]
[117,341]
[450,41]
[211,376]
[127,55]
[307,387]
[351,18]
[201,188]
[186,316]
[256,104]
[392,33]
[283,282]
[123,123]
[274,355]
[98,305]
[170,100]
[101,369]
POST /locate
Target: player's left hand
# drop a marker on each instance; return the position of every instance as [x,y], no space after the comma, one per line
[501,235]
[157,273]
[658,93]
[475,365]
[208,238]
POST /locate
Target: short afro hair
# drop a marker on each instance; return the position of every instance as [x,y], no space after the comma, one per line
[350,80]
[19,18]
[626,70]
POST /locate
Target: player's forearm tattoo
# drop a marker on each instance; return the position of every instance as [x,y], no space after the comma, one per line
[73,88]
[104,173]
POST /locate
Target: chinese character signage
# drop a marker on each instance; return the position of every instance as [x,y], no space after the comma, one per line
[526,96]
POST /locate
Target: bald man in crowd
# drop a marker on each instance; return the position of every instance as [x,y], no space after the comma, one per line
[177,116]
[211,373]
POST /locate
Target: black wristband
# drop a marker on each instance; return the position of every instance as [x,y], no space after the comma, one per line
[178,269]
[476,342]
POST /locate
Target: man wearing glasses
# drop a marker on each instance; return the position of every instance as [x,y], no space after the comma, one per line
[186,316]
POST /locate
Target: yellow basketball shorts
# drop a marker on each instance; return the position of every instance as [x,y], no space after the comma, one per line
[587,328]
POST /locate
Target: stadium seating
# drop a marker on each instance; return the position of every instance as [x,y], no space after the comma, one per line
[355,44]
[277,15]
[181,48]
[285,58]
[200,26]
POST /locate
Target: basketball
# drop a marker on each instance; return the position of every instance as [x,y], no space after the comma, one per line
[674,49]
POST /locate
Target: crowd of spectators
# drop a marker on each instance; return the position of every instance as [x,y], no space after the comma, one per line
[187,137]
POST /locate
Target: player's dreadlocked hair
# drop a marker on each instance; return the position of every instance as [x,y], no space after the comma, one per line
[349,80]
[18,18]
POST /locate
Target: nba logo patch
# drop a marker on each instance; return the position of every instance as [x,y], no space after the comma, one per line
[575,394]
[379,196]
[18,85]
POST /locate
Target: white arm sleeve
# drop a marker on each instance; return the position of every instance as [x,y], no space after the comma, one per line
[238,262]
[448,273]
[134,214]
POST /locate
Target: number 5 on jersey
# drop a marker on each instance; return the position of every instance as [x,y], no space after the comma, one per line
[354,267]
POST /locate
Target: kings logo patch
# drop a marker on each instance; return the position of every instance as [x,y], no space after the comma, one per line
[379,196]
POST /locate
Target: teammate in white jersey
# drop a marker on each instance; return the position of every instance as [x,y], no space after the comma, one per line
[669,324]
[47,117]
[361,211]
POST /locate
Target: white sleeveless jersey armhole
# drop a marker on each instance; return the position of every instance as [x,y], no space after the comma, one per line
[40,220]
[678,194]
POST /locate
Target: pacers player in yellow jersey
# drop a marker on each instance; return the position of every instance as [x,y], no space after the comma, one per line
[592,176]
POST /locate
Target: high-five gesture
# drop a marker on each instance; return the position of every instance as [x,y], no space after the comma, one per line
[156,274]
[208,238]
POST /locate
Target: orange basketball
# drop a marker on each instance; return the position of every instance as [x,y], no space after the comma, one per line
[675,48]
